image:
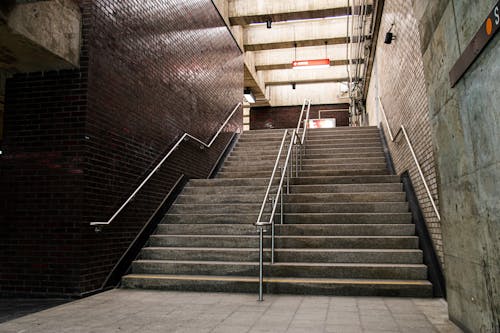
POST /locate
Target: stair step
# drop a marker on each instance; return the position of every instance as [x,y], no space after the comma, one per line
[310,270]
[347,180]
[345,171]
[274,147]
[257,197]
[345,207]
[307,166]
[249,241]
[309,161]
[290,285]
[340,150]
[292,218]
[290,229]
[224,190]
[284,255]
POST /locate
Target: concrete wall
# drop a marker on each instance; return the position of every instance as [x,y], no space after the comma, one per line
[465,126]
[43,35]
[398,78]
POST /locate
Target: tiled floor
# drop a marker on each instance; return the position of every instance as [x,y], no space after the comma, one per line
[149,311]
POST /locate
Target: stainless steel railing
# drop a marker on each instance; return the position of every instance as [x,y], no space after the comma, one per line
[291,141]
[393,138]
[183,137]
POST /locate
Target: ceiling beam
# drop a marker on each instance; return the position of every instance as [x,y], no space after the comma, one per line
[263,17]
[343,62]
[301,43]
[308,81]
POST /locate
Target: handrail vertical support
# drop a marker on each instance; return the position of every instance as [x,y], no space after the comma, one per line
[261,253]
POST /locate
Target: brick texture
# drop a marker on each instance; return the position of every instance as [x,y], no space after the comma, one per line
[287,116]
[78,142]
[400,81]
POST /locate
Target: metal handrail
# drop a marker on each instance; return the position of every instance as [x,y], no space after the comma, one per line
[183,137]
[299,123]
[296,143]
[285,172]
[405,134]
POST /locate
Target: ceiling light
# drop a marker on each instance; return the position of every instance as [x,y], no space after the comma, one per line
[269,23]
[311,64]
[249,96]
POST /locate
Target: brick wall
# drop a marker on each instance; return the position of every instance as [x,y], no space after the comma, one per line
[78,142]
[287,116]
[398,78]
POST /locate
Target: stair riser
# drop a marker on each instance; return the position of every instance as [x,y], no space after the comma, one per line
[248,219]
[388,290]
[220,190]
[213,209]
[392,207]
[357,272]
[395,257]
[255,198]
[305,173]
[289,229]
[229,182]
[345,197]
[340,172]
[331,161]
[357,142]
[221,199]
[367,218]
[335,151]
[306,167]
[377,153]
[293,242]
[355,180]
[309,147]
[400,218]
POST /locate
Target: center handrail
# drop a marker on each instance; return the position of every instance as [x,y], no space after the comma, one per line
[183,137]
[279,194]
[296,143]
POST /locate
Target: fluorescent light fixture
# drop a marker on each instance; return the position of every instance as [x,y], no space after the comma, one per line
[249,96]
[311,64]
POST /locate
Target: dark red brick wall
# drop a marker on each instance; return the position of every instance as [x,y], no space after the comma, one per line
[287,116]
[77,143]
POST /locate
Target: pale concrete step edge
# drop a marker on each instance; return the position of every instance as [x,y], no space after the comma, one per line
[293,218]
[405,229]
[283,269]
[374,256]
[249,284]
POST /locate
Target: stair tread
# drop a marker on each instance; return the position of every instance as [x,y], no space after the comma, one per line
[277,280]
[284,237]
[256,263]
[236,249]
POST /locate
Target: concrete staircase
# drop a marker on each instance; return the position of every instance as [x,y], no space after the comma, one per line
[347,228]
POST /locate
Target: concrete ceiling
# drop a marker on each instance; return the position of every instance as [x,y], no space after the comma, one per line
[300,30]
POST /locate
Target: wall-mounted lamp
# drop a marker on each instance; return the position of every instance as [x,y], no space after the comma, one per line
[293,86]
[389,36]
[249,96]
[269,23]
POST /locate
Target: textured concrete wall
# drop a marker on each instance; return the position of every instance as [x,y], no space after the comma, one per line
[398,78]
[465,125]
[42,35]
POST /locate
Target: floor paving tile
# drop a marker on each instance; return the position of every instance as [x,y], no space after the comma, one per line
[137,311]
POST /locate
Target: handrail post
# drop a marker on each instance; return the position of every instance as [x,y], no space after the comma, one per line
[261,263]
[282,204]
